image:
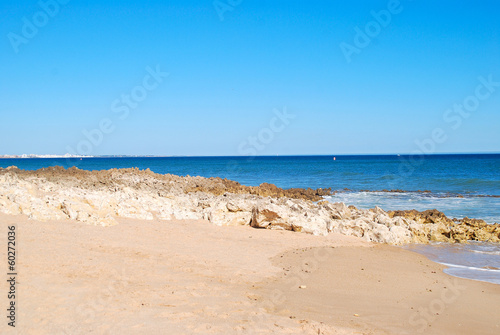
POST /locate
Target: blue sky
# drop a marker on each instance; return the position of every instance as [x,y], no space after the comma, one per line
[231,66]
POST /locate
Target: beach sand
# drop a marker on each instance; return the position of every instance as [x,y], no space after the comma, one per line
[192,277]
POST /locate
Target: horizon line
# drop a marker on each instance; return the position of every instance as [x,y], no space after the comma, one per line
[243,156]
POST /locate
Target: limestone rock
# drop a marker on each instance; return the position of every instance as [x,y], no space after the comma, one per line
[99,197]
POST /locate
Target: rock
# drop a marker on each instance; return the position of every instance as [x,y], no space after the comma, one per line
[99,197]
[230,218]
[204,204]
[340,211]
[440,233]
[262,218]
[428,216]
[378,211]
[232,207]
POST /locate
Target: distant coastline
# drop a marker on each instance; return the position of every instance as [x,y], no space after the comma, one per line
[44,156]
[403,155]
[71,156]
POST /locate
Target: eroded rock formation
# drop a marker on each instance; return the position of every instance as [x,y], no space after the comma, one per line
[99,197]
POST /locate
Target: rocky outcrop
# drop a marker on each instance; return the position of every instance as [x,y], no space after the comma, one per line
[134,178]
[428,216]
[99,197]
[436,226]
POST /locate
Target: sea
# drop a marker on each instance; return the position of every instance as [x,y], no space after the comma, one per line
[460,185]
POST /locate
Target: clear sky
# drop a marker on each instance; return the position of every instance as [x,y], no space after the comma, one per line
[357,76]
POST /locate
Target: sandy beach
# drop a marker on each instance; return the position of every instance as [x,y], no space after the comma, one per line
[250,167]
[193,277]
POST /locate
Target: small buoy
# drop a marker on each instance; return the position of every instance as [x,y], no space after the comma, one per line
[334,158]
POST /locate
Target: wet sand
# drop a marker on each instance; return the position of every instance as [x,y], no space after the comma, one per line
[192,277]
[384,290]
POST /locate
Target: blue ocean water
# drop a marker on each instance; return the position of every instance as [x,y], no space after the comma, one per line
[459,185]
[465,174]
[476,260]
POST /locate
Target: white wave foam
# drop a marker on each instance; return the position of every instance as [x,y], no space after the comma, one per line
[486,252]
[469,267]
[487,209]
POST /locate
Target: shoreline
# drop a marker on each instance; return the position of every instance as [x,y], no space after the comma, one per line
[426,192]
[100,197]
[385,290]
[178,276]
[477,261]
[149,253]
[325,191]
